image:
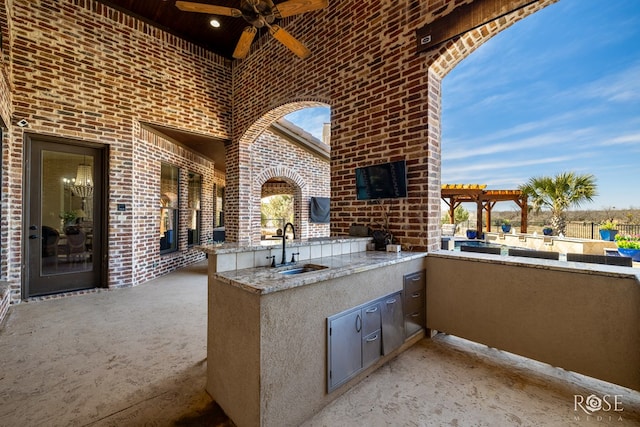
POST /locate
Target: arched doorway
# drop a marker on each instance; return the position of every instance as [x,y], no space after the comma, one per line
[282,163]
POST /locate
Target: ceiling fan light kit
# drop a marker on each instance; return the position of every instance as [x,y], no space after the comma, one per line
[261,13]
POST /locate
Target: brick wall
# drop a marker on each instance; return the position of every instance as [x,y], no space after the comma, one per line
[153,150]
[84,71]
[81,70]
[241,205]
[306,176]
[384,98]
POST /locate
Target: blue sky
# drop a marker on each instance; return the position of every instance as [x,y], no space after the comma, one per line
[558,91]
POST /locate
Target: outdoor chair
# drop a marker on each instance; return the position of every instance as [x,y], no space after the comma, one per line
[534,254]
[601,259]
[481,249]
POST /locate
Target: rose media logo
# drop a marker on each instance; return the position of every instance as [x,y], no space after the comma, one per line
[598,408]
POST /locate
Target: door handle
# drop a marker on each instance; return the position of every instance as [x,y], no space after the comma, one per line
[33,236]
[33,227]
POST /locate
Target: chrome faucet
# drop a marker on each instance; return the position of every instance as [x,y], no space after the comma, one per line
[284,240]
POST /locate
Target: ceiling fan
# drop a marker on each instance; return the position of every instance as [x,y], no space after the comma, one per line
[260,13]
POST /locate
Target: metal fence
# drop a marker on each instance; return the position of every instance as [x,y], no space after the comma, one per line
[591,230]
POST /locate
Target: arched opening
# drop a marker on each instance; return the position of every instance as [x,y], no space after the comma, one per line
[554,104]
[284,159]
[445,60]
[278,207]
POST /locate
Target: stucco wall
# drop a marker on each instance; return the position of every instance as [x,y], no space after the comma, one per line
[267,354]
[581,319]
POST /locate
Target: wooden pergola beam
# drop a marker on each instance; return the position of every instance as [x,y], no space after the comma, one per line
[484,200]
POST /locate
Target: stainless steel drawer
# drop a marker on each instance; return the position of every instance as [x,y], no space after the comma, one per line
[371,348]
[413,301]
[371,318]
[413,322]
[414,281]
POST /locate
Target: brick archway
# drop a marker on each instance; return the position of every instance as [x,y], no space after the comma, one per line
[440,63]
[296,183]
[394,114]
[243,220]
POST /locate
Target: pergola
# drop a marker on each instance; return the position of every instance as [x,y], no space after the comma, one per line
[485,200]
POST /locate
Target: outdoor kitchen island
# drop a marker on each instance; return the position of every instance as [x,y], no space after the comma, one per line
[267,349]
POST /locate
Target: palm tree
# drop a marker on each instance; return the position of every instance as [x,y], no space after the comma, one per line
[559,194]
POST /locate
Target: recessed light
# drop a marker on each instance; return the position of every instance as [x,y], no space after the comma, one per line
[215,23]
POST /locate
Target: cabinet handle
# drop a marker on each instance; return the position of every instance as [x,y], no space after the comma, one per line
[373,338]
[392,301]
[415,295]
[372,310]
[416,279]
[358,323]
[415,314]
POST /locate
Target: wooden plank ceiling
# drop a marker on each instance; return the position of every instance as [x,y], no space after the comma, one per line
[190,26]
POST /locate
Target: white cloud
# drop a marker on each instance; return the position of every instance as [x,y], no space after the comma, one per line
[475,148]
[621,87]
[488,166]
[633,138]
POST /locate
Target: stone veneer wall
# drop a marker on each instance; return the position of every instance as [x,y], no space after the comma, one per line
[384,98]
[80,70]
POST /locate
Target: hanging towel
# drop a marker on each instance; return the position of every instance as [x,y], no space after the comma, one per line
[319,210]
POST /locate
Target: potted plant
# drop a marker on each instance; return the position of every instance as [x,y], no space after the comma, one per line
[608,230]
[547,231]
[629,245]
[506,226]
[68,217]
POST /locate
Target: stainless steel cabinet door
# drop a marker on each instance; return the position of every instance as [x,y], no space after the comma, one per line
[392,322]
[345,347]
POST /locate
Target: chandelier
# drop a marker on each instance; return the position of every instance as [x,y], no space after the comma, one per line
[83,185]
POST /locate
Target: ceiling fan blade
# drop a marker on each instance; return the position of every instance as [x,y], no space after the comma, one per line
[187,6]
[295,7]
[242,48]
[289,41]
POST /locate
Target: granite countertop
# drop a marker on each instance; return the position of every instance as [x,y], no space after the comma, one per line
[265,280]
[548,264]
[231,247]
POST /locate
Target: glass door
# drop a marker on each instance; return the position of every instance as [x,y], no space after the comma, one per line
[64,214]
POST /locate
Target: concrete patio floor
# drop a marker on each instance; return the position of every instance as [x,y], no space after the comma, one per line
[137,357]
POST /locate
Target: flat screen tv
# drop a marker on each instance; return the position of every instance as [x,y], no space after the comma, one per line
[383,181]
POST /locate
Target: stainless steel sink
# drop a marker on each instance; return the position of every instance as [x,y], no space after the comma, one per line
[305,268]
